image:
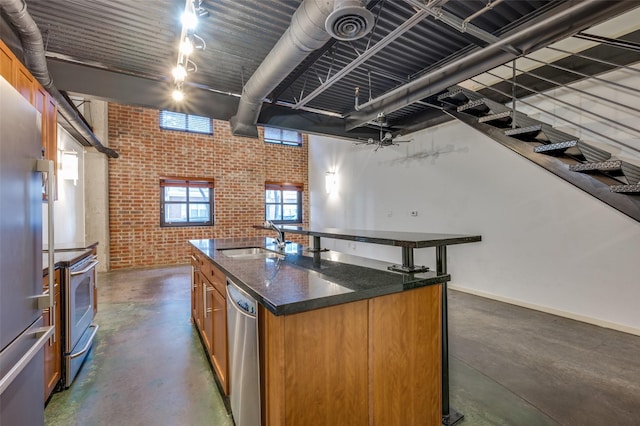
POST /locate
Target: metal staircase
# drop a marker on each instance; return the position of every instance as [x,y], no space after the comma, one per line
[585,164]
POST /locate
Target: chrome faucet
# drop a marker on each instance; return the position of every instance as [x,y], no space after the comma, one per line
[280,238]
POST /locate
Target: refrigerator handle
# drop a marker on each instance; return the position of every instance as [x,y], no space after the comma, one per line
[46,166]
[42,334]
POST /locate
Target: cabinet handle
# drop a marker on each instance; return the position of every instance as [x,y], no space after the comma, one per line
[52,320]
[42,334]
[204,299]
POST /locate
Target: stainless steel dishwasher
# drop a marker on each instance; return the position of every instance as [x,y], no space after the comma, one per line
[244,385]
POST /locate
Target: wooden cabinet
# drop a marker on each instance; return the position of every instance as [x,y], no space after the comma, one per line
[22,80]
[375,361]
[7,64]
[52,349]
[25,83]
[209,314]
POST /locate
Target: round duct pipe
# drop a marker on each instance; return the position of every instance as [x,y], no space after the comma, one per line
[349,20]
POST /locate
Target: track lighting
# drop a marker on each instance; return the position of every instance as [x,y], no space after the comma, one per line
[188,43]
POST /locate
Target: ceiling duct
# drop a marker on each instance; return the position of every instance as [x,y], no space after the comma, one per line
[36,62]
[305,34]
[349,20]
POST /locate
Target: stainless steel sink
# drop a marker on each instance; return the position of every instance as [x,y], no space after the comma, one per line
[250,253]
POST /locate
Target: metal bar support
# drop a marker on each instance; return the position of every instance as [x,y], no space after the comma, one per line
[449,415]
[513,96]
[407,257]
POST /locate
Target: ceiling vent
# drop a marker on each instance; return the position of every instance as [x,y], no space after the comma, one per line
[349,20]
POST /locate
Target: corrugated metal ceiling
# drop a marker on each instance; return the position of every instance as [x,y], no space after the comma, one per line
[140,38]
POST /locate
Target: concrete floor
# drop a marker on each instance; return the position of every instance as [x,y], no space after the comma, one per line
[509,365]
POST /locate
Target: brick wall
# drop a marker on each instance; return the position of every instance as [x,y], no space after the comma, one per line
[240,167]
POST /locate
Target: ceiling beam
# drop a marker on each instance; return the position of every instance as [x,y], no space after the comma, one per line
[127,89]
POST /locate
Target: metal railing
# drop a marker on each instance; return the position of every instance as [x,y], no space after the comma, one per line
[609,103]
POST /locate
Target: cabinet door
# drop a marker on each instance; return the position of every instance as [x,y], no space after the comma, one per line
[7,64]
[52,349]
[207,320]
[25,83]
[219,356]
[197,299]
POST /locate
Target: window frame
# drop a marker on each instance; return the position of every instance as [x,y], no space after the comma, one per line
[285,186]
[186,128]
[186,182]
[281,140]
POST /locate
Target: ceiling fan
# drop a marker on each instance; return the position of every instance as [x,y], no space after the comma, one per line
[385,138]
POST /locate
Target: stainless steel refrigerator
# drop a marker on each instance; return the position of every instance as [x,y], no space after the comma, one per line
[22,334]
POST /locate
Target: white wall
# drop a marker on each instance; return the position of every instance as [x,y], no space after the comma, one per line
[68,211]
[546,244]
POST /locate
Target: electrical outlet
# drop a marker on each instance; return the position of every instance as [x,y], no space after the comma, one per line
[414,212]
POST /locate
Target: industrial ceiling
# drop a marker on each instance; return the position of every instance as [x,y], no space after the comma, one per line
[123,51]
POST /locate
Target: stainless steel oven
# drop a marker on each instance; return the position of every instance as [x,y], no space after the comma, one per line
[79,314]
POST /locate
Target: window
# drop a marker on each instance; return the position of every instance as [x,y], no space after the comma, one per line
[284,137]
[283,202]
[186,202]
[170,120]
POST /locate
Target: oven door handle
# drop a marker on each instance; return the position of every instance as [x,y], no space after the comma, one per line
[88,268]
[89,342]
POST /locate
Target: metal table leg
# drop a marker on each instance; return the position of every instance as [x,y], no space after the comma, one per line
[449,415]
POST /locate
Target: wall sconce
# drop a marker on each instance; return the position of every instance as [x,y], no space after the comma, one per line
[69,166]
[330,182]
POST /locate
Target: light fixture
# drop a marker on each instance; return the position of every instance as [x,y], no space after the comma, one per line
[330,182]
[188,43]
[186,48]
[179,73]
[177,95]
[189,18]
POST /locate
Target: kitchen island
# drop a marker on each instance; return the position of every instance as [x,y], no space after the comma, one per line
[342,340]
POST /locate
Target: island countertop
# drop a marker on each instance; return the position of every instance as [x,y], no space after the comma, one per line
[301,281]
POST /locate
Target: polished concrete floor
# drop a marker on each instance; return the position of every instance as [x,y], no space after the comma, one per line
[508,365]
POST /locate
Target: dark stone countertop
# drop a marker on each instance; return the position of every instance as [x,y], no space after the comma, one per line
[390,238]
[63,259]
[298,283]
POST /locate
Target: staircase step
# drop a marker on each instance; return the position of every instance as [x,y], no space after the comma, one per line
[599,166]
[450,93]
[592,153]
[525,133]
[626,189]
[555,147]
[631,172]
[476,107]
[456,96]
[496,117]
